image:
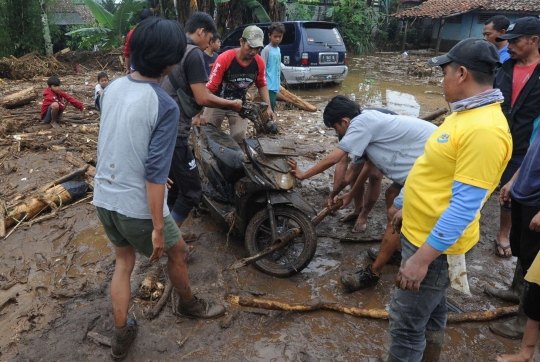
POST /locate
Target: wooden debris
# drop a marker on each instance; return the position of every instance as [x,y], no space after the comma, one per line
[317,304]
[325,212]
[149,283]
[436,113]
[18,99]
[286,96]
[284,239]
[63,51]
[154,312]
[2,219]
[98,338]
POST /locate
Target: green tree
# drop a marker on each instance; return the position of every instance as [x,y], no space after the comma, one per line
[357,23]
[111,27]
[21,27]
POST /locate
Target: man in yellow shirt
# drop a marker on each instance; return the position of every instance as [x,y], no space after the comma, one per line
[462,163]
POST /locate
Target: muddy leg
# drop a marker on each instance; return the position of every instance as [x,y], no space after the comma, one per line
[55,115]
[177,267]
[389,244]
[531,339]
[373,192]
[120,285]
[504,230]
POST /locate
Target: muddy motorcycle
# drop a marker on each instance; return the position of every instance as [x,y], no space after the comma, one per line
[255,195]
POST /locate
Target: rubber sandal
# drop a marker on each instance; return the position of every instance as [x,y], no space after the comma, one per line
[504,248]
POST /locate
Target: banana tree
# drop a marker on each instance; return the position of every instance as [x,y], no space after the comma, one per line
[255,7]
[112,27]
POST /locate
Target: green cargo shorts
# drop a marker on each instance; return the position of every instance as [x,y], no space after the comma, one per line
[125,231]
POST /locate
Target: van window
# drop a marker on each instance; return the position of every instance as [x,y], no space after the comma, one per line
[323,36]
[290,35]
[233,39]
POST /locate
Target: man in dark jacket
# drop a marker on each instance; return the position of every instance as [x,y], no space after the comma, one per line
[190,76]
[519,81]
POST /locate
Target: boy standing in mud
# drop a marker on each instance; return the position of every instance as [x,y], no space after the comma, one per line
[54,102]
[139,122]
[442,198]
[272,58]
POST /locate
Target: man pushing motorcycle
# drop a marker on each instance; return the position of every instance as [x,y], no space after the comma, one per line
[233,73]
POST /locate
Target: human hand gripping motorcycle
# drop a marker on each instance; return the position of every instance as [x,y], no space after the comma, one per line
[295,170]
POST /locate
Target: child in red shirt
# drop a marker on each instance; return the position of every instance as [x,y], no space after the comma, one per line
[54,102]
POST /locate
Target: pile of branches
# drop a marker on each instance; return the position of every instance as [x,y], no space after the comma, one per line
[31,65]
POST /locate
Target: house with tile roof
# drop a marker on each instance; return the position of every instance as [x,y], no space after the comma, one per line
[455,20]
[71,12]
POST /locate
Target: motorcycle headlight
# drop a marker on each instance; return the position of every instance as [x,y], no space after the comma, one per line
[284,180]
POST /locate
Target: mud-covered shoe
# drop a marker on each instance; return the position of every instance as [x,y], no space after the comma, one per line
[395,259]
[199,308]
[122,339]
[362,279]
[508,295]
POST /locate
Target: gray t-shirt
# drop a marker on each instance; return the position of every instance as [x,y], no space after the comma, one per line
[391,142]
[136,140]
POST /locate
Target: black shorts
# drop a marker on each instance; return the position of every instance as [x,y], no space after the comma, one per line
[531,307]
[48,116]
[525,242]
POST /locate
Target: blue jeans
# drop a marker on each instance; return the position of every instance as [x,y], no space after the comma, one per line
[411,314]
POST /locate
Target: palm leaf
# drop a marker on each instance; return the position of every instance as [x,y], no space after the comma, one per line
[124,13]
[257,9]
[88,32]
[103,17]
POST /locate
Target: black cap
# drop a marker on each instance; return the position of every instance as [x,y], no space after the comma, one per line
[524,26]
[473,53]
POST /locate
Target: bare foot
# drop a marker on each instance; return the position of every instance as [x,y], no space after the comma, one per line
[513,358]
[55,125]
[360,226]
[505,250]
[350,217]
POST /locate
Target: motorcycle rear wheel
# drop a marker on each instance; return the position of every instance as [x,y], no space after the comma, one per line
[293,257]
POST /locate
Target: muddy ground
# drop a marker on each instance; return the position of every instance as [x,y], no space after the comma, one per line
[55,274]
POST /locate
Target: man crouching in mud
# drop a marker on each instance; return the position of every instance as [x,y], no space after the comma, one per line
[139,123]
[393,143]
[444,193]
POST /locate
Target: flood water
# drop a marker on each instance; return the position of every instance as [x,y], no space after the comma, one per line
[384,83]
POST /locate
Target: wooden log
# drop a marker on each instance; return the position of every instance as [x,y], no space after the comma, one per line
[18,99]
[56,195]
[325,212]
[37,128]
[154,312]
[317,304]
[2,220]
[78,162]
[99,338]
[63,51]
[286,96]
[436,113]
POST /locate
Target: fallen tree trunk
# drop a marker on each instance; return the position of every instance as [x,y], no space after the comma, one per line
[317,304]
[51,198]
[18,99]
[286,96]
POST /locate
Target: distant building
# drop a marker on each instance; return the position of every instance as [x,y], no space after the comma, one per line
[70,12]
[455,20]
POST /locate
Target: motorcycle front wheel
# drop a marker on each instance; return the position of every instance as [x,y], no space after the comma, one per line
[293,257]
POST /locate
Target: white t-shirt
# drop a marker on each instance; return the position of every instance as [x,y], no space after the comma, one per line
[97,89]
[391,142]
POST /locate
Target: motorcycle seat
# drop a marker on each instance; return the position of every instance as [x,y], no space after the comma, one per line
[227,152]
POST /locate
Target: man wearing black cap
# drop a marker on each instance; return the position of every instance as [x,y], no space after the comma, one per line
[444,193]
[519,82]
